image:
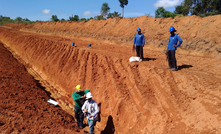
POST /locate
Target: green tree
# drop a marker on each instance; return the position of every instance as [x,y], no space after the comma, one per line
[83,19]
[159,13]
[54,18]
[116,14]
[162,13]
[181,9]
[98,17]
[75,18]
[91,18]
[18,20]
[202,7]
[105,9]
[122,4]
[113,15]
[62,20]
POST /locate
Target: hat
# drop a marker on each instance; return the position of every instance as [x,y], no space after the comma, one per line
[89,95]
[172,29]
[138,29]
[78,87]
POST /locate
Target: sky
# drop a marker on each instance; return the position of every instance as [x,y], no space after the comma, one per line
[42,10]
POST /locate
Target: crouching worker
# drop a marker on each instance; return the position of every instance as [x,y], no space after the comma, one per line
[90,108]
[79,99]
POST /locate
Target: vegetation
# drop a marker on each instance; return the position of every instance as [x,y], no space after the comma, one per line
[201,7]
[4,20]
[192,7]
[188,7]
[105,9]
[122,4]
[162,13]
[75,18]
[54,18]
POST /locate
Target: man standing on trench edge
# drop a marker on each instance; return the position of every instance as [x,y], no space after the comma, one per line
[171,49]
[139,40]
[90,108]
[79,99]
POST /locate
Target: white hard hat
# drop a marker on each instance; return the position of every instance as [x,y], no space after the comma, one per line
[89,95]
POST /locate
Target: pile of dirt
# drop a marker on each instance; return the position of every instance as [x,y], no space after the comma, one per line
[199,34]
[139,97]
[23,102]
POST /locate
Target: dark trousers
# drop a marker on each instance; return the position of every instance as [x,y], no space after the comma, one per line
[79,115]
[139,50]
[172,59]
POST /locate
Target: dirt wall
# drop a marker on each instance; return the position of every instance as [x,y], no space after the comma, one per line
[199,34]
[135,98]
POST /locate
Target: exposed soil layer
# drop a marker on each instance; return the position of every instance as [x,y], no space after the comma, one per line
[140,97]
[23,103]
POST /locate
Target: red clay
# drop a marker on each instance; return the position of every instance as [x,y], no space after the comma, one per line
[23,103]
[137,98]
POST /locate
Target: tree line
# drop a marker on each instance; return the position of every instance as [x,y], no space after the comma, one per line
[187,7]
[201,8]
[105,14]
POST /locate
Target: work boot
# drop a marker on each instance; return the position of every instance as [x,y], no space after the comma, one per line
[169,67]
[174,69]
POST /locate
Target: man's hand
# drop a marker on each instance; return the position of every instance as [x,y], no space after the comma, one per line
[174,45]
[85,110]
[83,96]
[133,47]
[90,116]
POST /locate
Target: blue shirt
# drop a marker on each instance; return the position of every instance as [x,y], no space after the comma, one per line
[173,41]
[139,40]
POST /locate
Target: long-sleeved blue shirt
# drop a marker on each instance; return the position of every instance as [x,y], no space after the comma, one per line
[173,41]
[139,40]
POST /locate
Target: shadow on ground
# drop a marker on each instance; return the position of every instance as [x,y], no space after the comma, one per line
[184,66]
[109,129]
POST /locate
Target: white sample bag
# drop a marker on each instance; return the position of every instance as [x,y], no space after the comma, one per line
[132,59]
[53,102]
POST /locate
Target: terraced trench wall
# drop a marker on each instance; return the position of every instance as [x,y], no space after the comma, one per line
[133,98]
[200,35]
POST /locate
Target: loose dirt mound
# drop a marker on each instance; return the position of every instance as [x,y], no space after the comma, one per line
[199,34]
[23,103]
[134,98]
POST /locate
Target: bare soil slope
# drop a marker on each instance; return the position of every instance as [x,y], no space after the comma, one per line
[141,97]
[23,103]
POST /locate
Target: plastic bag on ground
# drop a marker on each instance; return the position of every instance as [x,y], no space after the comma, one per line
[132,59]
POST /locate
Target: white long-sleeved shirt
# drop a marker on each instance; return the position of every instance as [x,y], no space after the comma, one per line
[92,109]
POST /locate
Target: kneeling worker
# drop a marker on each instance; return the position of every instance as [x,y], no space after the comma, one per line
[91,109]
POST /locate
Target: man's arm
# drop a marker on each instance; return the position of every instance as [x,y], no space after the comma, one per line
[134,40]
[143,41]
[84,107]
[180,41]
[75,97]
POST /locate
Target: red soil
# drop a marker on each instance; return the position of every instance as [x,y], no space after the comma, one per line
[23,103]
[142,97]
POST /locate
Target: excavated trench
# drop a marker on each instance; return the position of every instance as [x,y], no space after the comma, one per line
[142,97]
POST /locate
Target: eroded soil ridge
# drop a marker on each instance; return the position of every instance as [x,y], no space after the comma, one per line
[142,97]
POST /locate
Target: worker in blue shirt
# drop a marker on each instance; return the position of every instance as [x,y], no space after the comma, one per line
[139,41]
[171,49]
